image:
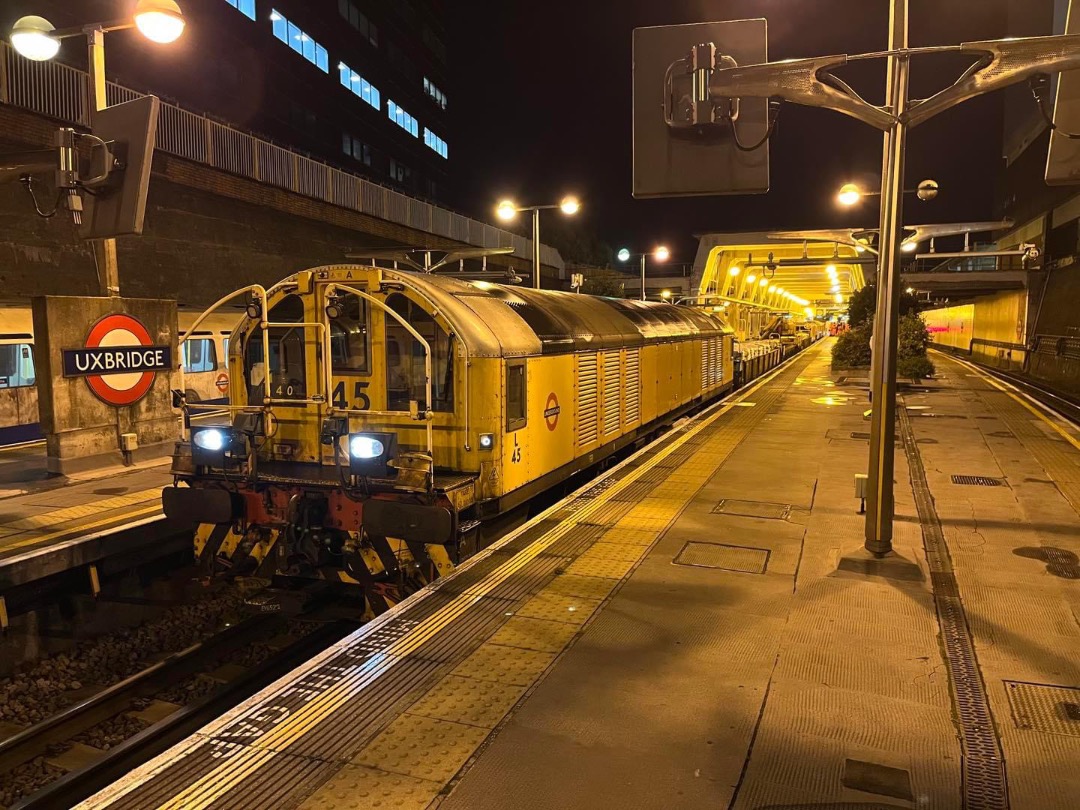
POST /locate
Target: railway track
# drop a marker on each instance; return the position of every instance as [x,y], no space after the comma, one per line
[79,769]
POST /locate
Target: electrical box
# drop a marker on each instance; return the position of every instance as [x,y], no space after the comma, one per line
[129,442]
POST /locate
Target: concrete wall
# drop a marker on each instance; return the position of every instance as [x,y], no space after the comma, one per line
[993,328]
[82,431]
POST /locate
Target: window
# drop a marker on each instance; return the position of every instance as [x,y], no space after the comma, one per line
[300,42]
[288,369]
[245,7]
[405,359]
[355,148]
[431,39]
[400,62]
[435,93]
[199,355]
[355,17]
[349,337]
[16,365]
[516,416]
[400,172]
[433,141]
[302,118]
[359,86]
[402,119]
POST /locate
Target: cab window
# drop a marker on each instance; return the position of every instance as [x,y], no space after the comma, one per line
[349,337]
[199,355]
[288,368]
[405,359]
[516,397]
[16,365]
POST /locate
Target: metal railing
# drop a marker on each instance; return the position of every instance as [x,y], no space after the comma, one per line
[1058,345]
[61,92]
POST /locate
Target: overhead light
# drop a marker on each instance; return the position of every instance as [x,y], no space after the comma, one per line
[763,282]
[910,290]
[734,271]
[32,37]
[661,254]
[159,20]
[849,194]
[750,279]
[623,255]
[772,288]
[569,205]
[666,294]
[506,210]
[838,298]
[909,247]
[831,269]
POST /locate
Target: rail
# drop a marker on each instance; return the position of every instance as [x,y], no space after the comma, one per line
[62,92]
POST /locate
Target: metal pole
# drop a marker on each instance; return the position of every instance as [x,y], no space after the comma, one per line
[642,276]
[879,484]
[108,271]
[536,248]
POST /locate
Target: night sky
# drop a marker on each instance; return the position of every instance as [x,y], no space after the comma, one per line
[542,104]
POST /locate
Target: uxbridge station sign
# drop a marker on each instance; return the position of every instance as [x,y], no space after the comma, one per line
[119,360]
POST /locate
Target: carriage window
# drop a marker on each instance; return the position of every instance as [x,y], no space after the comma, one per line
[405,359]
[516,416]
[16,365]
[199,355]
[225,349]
[349,337]
[288,367]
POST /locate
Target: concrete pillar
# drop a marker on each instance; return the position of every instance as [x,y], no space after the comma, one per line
[123,412]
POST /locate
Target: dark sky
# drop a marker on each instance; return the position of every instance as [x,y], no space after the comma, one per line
[541,106]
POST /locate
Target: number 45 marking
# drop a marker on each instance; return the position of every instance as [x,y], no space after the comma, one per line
[515,457]
[338,400]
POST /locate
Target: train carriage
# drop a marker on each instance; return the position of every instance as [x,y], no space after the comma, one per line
[378,415]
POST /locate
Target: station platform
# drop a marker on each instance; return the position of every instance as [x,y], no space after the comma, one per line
[53,525]
[689,631]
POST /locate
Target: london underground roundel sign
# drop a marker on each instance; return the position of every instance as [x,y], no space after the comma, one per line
[119,360]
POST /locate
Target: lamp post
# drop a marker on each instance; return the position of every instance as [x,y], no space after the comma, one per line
[850,194]
[507,211]
[37,39]
[660,253]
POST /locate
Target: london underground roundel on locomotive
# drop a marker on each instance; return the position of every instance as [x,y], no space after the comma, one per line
[119,360]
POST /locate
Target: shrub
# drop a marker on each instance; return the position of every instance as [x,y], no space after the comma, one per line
[852,349]
[914,368]
[913,337]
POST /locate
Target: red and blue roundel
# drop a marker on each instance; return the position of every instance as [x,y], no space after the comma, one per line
[119,361]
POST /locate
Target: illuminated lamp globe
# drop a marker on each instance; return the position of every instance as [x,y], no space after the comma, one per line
[623,255]
[763,282]
[927,190]
[32,37]
[662,254]
[159,20]
[570,206]
[849,194]
[666,294]
[909,247]
[506,210]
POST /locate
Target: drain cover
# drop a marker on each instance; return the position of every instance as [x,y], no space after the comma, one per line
[729,558]
[978,481]
[870,777]
[1044,707]
[759,509]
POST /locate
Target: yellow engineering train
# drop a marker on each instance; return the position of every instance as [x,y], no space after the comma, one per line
[399,410]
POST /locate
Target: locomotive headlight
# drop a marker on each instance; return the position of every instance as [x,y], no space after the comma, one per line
[370,453]
[211,439]
[487,441]
[210,444]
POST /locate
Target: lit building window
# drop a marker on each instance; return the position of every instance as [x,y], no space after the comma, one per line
[300,42]
[402,119]
[359,85]
[435,92]
[433,141]
[245,7]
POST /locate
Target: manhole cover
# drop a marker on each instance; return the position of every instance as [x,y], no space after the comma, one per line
[1044,707]
[978,481]
[729,558]
[870,777]
[758,509]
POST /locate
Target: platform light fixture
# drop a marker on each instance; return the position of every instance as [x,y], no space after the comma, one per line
[849,194]
[734,271]
[666,294]
[838,298]
[32,37]
[507,211]
[909,247]
[660,253]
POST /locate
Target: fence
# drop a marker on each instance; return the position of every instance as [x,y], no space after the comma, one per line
[61,92]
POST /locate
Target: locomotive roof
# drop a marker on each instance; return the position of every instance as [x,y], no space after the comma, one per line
[499,319]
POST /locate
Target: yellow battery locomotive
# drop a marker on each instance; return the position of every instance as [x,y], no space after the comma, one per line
[378,417]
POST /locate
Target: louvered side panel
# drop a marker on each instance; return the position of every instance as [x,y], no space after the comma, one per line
[633,386]
[611,392]
[706,356]
[587,400]
[714,361]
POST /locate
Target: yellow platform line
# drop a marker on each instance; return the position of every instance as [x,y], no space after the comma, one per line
[1020,398]
[212,785]
[38,539]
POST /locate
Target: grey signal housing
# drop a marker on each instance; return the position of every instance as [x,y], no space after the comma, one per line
[673,163]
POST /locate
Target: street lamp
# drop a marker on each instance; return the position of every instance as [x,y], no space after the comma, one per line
[660,253]
[37,39]
[850,194]
[507,211]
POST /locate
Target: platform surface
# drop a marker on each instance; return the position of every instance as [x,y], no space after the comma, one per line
[680,634]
